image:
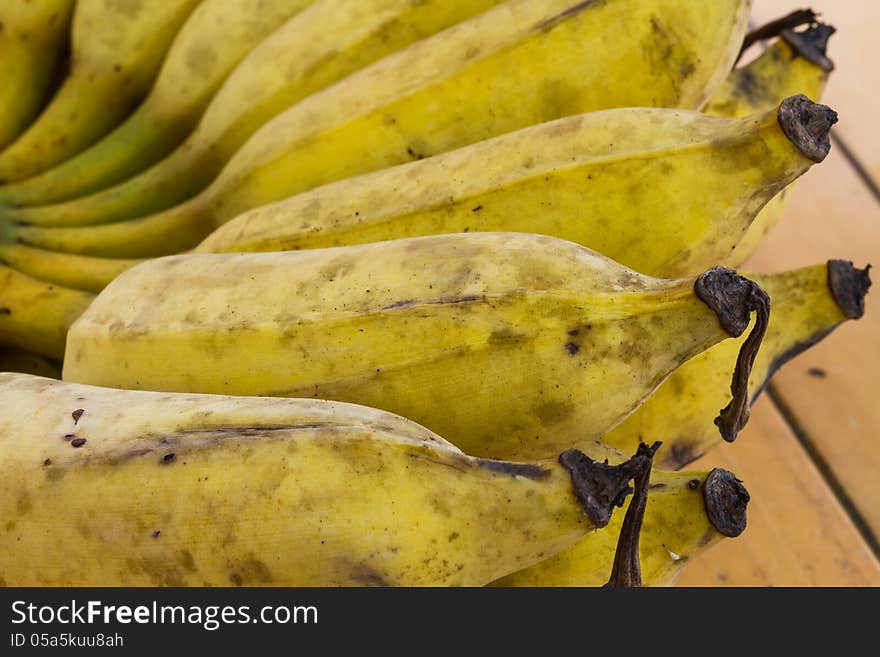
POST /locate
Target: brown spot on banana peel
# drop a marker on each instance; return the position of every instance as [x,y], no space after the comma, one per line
[599,486]
[807,125]
[568,13]
[812,44]
[733,298]
[627,569]
[77,414]
[776,27]
[726,500]
[849,286]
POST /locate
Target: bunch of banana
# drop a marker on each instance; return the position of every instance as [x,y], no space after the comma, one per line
[538,343]
[369,498]
[217,35]
[520,63]
[117,50]
[293,61]
[508,221]
[780,72]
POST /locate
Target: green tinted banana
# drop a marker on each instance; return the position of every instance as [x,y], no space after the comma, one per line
[186,490]
[621,182]
[117,49]
[795,64]
[682,521]
[807,303]
[32,41]
[19,360]
[77,272]
[511,345]
[518,64]
[217,35]
[294,61]
[34,315]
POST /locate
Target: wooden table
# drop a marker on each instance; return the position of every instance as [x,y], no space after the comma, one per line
[810,456]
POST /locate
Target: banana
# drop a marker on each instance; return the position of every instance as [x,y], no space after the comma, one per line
[518,64]
[67,270]
[186,490]
[808,304]
[33,37]
[796,63]
[18,360]
[217,35]
[34,315]
[117,48]
[621,182]
[682,521]
[292,62]
[511,345]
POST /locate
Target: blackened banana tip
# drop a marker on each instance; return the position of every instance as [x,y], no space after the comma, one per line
[848,286]
[807,125]
[812,44]
[725,292]
[726,500]
[598,486]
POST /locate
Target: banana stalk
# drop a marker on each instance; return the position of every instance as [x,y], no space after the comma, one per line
[808,304]
[117,49]
[33,39]
[512,345]
[218,34]
[521,63]
[621,182]
[277,492]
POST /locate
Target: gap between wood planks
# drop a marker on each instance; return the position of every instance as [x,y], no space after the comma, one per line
[827,474]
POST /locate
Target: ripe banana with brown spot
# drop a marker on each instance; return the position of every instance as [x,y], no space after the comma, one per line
[117,49]
[294,61]
[682,520]
[217,35]
[33,37]
[218,491]
[511,345]
[521,63]
[808,304]
[619,181]
[796,63]
[35,315]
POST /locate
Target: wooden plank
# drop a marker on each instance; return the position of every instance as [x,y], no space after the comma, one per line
[797,534]
[855,50]
[831,214]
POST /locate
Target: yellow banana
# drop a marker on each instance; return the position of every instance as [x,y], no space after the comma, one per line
[217,35]
[795,64]
[34,315]
[511,345]
[117,49]
[294,61]
[33,37]
[520,63]
[186,490]
[18,360]
[621,182]
[807,303]
[77,272]
[682,521]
